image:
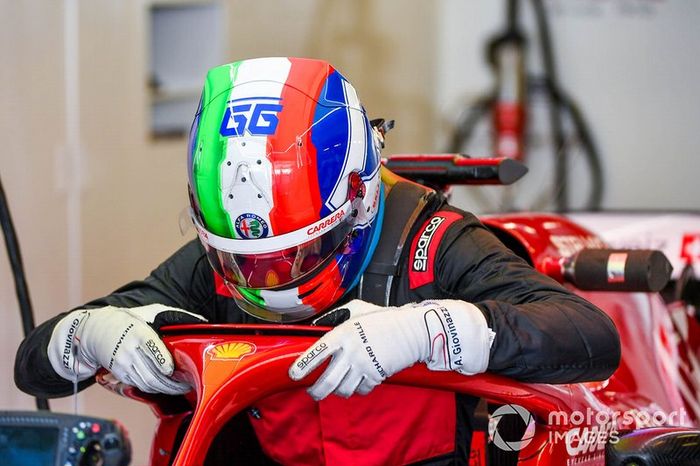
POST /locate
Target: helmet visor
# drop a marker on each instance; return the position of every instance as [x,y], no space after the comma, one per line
[274,269]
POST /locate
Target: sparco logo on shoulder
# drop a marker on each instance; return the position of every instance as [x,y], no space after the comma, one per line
[420,258]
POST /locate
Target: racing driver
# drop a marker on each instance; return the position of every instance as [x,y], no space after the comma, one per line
[298,222]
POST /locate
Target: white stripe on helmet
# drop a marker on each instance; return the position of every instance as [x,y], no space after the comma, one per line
[355,158]
[249,165]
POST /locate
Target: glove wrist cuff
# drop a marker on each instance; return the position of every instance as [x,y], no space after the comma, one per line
[459,338]
[66,356]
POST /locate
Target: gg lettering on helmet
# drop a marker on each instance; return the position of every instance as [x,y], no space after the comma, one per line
[255,115]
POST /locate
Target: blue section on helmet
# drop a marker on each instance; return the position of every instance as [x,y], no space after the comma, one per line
[329,135]
[373,158]
[333,92]
[366,242]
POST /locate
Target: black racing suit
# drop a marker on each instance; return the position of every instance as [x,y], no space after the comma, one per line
[544,333]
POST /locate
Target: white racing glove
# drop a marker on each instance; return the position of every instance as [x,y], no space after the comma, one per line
[122,341]
[377,342]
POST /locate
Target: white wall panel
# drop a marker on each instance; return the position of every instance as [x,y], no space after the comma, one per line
[630,65]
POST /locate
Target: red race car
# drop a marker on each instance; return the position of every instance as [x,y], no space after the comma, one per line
[647,413]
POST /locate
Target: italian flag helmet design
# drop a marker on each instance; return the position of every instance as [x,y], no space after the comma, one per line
[284,184]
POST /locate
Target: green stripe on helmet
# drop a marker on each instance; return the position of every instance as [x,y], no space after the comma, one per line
[211,153]
[252,295]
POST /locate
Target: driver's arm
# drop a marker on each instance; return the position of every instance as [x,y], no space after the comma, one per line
[183,281]
[543,332]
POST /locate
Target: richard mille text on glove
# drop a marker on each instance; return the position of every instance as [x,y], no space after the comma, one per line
[377,342]
[123,341]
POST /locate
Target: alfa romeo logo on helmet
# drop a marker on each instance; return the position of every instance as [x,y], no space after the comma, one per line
[251,226]
[495,435]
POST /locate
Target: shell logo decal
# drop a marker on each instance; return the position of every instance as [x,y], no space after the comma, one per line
[232,350]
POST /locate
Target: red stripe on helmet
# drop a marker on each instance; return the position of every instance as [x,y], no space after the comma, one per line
[295,187]
[323,290]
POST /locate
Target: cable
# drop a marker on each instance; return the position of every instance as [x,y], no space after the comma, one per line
[595,197]
[560,106]
[560,150]
[468,121]
[21,289]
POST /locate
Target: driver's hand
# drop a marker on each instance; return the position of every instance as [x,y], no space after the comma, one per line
[123,341]
[377,342]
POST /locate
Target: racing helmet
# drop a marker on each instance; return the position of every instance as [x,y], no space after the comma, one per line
[284,184]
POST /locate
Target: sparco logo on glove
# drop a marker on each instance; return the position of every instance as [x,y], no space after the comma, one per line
[311,355]
[122,340]
[153,347]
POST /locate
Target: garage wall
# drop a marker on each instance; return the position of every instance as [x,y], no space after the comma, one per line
[32,131]
[418,62]
[631,67]
[124,190]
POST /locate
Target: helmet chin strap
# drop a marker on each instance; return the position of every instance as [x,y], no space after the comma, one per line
[376,233]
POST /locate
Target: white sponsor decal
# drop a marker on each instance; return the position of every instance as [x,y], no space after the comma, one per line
[420,258]
[568,245]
